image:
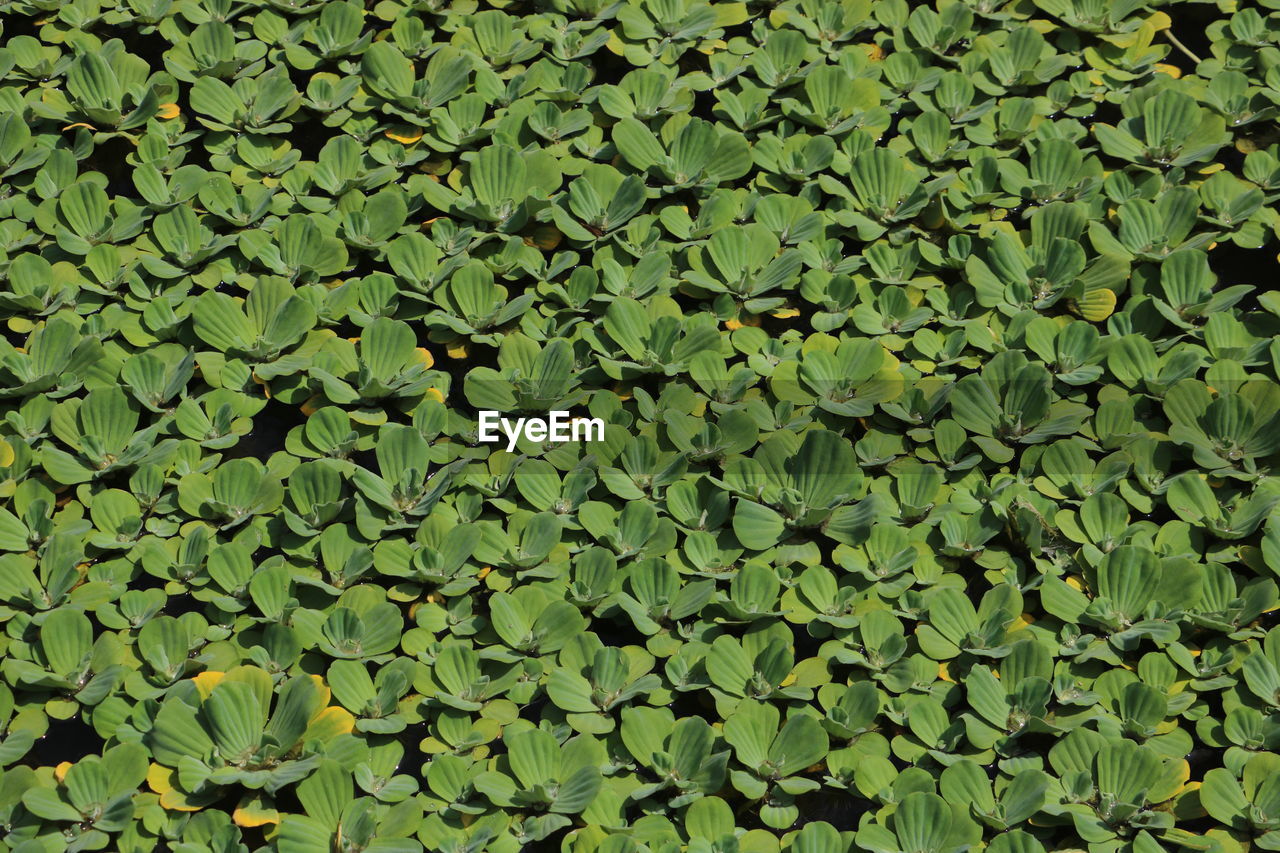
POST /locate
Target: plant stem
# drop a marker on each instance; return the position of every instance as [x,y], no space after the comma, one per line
[1180,46]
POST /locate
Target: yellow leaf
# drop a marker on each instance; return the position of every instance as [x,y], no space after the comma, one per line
[266,389]
[545,237]
[1022,621]
[6,454]
[253,811]
[874,52]
[484,573]
[789,680]
[206,681]
[168,111]
[435,394]
[312,405]
[160,779]
[330,723]
[79,124]
[322,690]
[424,357]
[404,137]
[1139,38]
[1159,21]
[944,673]
[733,324]
[1075,582]
[1097,305]
[614,45]
[786,313]
[175,801]
[623,392]
[163,781]
[246,818]
[60,772]
[1172,70]
[458,349]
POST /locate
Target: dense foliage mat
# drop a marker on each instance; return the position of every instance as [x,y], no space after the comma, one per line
[935,360]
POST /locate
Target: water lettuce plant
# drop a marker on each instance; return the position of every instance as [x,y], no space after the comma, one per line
[929,375]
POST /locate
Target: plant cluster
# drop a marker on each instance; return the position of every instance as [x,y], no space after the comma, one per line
[933,510]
